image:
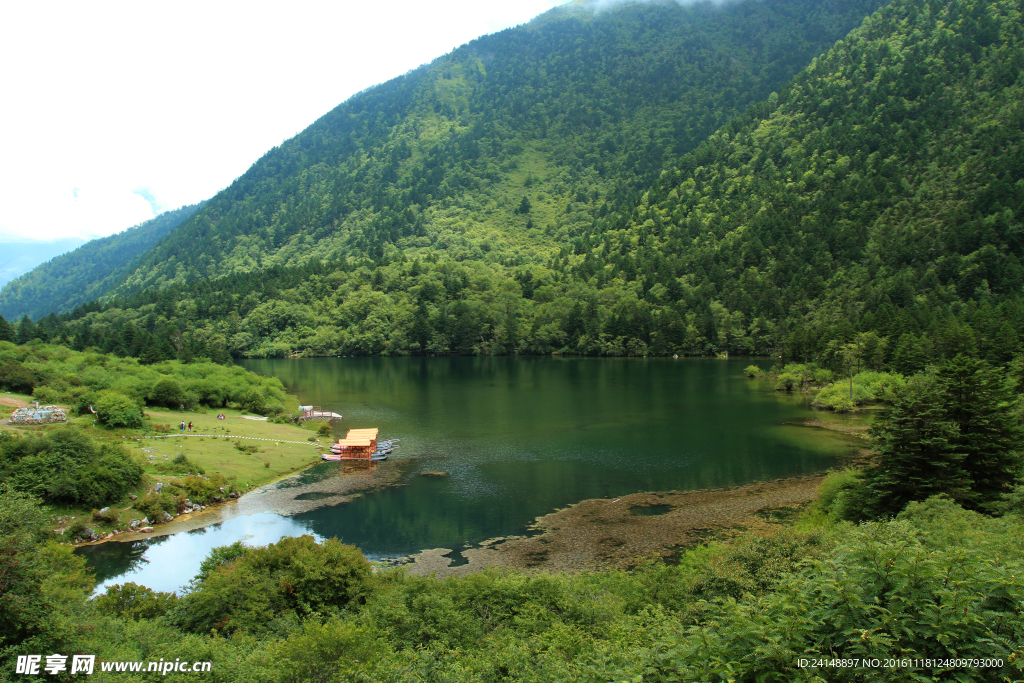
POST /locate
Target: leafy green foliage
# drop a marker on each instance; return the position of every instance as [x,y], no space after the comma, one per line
[292,578]
[132,601]
[85,378]
[38,578]
[66,466]
[114,409]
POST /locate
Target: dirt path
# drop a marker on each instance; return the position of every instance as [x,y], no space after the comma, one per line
[613,534]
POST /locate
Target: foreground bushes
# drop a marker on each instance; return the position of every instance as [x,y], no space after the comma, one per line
[938,581]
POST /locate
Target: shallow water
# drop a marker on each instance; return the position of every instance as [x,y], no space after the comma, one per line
[518,438]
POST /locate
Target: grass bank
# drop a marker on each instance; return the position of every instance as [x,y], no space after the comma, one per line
[242,451]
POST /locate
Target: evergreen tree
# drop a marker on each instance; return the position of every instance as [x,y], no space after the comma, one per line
[917,455]
[26,330]
[977,404]
[6,331]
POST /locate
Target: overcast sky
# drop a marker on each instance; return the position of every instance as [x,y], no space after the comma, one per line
[113,112]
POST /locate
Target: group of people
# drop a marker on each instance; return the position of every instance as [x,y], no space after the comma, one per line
[182,426]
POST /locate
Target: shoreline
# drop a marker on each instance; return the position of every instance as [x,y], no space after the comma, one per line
[600,534]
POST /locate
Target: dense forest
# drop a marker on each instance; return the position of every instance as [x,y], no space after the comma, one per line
[437,213]
[87,273]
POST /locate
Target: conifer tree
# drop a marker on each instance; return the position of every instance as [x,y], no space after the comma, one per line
[26,330]
[977,404]
[6,331]
[917,451]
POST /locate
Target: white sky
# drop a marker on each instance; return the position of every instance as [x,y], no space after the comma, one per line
[111,112]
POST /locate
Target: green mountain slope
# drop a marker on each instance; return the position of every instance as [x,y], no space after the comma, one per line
[573,108]
[882,192]
[88,272]
[877,198]
[488,163]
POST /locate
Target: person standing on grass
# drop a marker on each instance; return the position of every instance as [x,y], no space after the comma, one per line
[190,426]
[182,425]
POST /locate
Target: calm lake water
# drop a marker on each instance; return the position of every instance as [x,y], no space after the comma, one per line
[519,438]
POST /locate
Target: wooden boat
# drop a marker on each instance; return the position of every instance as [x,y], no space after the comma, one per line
[360,444]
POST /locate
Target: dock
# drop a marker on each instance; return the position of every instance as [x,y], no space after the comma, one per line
[316,413]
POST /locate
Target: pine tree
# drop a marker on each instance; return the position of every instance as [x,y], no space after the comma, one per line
[6,331]
[977,403]
[916,451]
[26,330]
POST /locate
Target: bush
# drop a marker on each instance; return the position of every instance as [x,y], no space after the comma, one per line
[133,601]
[114,409]
[180,464]
[16,377]
[752,371]
[168,393]
[108,478]
[837,397]
[293,576]
[153,505]
[105,516]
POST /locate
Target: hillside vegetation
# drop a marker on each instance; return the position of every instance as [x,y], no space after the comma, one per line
[488,166]
[875,201]
[938,583]
[87,273]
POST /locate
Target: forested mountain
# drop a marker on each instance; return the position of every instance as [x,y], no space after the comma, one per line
[88,272]
[19,257]
[876,198]
[493,156]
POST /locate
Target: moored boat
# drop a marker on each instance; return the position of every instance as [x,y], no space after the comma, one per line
[360,444]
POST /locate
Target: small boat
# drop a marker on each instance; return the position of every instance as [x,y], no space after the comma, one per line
[360,445]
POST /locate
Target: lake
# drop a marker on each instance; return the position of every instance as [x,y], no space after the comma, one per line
[518,438]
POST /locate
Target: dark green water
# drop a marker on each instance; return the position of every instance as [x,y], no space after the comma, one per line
[519,438]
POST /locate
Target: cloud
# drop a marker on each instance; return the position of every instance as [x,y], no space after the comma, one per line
[113,111]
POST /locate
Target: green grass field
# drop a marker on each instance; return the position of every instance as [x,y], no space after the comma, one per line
[249,451]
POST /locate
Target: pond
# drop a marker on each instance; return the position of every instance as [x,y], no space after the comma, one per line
[503,440]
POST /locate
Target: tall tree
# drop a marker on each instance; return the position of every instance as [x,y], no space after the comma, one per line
[916,450]
[6,331]
[977,403]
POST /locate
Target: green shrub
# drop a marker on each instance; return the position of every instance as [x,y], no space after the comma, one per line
[837,397]
[115,409]
[167,392]
[106,516]
[180,464]
[152,505]
[107,479]
[295,575]
[16,377]
[751,371]
[132,601]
